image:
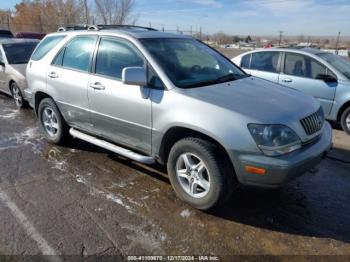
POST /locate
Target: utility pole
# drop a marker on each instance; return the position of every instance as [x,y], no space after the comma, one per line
[200,33]
[8,20]
[337,43]
[87,15]
[280,41]
[163,28]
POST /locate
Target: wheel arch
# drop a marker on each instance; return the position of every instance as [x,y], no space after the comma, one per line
[174,134]
[342,109]
[10,84]
[38,97]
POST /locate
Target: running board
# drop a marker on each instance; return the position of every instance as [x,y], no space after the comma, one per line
[111,147]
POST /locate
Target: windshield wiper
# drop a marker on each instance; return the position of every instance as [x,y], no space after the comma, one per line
[221,79]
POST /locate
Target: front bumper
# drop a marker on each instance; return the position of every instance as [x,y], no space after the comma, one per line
[280,170]
[28,95]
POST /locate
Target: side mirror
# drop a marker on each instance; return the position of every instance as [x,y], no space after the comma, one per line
[2,63]
[136,76]
[326,78]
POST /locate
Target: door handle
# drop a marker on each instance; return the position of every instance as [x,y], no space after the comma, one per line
[287,80]
[53,75]
[97,86]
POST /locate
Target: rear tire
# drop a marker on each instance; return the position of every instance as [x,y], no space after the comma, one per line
[52,123]
[17,96]
[200,174]
[345,121]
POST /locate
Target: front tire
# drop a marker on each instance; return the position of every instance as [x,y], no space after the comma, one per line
[51,122]
[17,96]
[345,120]
[200,173]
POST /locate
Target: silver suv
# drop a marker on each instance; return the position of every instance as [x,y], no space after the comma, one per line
[157,97]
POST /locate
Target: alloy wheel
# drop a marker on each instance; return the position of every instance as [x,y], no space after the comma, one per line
[16,93]
[50,121]
[193,175]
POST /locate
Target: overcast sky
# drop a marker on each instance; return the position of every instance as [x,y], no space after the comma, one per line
[256,17]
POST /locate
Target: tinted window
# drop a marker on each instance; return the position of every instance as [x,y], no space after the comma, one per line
[78,53]
[6,34]
[245,63]
[114,55]
[265,61]
[45,46]
[19,53]
[304,66]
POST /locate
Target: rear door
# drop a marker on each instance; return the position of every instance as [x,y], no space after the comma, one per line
[120,113]
[262,64]
[300,72]
[67,80]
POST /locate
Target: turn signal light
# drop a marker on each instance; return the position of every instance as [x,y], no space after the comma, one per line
[255,170]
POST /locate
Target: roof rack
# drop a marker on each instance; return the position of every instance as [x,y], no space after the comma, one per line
[125,27]
[77,27]
[101,27]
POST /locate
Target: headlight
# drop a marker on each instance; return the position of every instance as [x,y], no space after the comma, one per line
[274,140]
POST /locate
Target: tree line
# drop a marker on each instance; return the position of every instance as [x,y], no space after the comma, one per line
[47,15]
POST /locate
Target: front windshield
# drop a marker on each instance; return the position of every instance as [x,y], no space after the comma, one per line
[339,63]
[19,53]
[190,63]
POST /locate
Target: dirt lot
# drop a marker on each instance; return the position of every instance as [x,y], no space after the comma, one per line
[80,200]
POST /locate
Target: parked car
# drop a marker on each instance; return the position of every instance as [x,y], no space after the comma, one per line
[30,35]
[157,97]
[14,56]
[323,75]
[4,33]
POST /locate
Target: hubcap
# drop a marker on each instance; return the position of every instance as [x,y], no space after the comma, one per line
[50,121]
[348,121]
[17,96]
[193,175]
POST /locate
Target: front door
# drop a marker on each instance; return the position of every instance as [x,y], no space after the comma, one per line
[120,113]
[300,72]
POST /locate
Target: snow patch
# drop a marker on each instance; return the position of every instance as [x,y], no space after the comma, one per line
[10,114]
[185,213]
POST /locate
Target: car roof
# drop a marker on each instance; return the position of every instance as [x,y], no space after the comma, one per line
[135,33]
[304,50]
[17,41]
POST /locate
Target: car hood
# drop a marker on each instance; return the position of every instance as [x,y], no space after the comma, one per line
[259,100]
[20,68]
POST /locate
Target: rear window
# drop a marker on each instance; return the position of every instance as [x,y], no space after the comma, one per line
[45,46]
[265,61]
[6,34]
[245,63]
[19,53]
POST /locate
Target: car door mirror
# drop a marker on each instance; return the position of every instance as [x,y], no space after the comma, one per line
[2,64]
[326,78]
[134,76]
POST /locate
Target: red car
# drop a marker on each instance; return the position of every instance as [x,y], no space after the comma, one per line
[31,35]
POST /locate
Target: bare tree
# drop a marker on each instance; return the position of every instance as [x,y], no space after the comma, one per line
[115,11]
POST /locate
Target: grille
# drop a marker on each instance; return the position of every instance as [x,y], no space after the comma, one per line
[313,123]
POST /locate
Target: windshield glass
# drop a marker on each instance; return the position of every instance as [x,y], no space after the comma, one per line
[339,63]
[19,53]
[190,63]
